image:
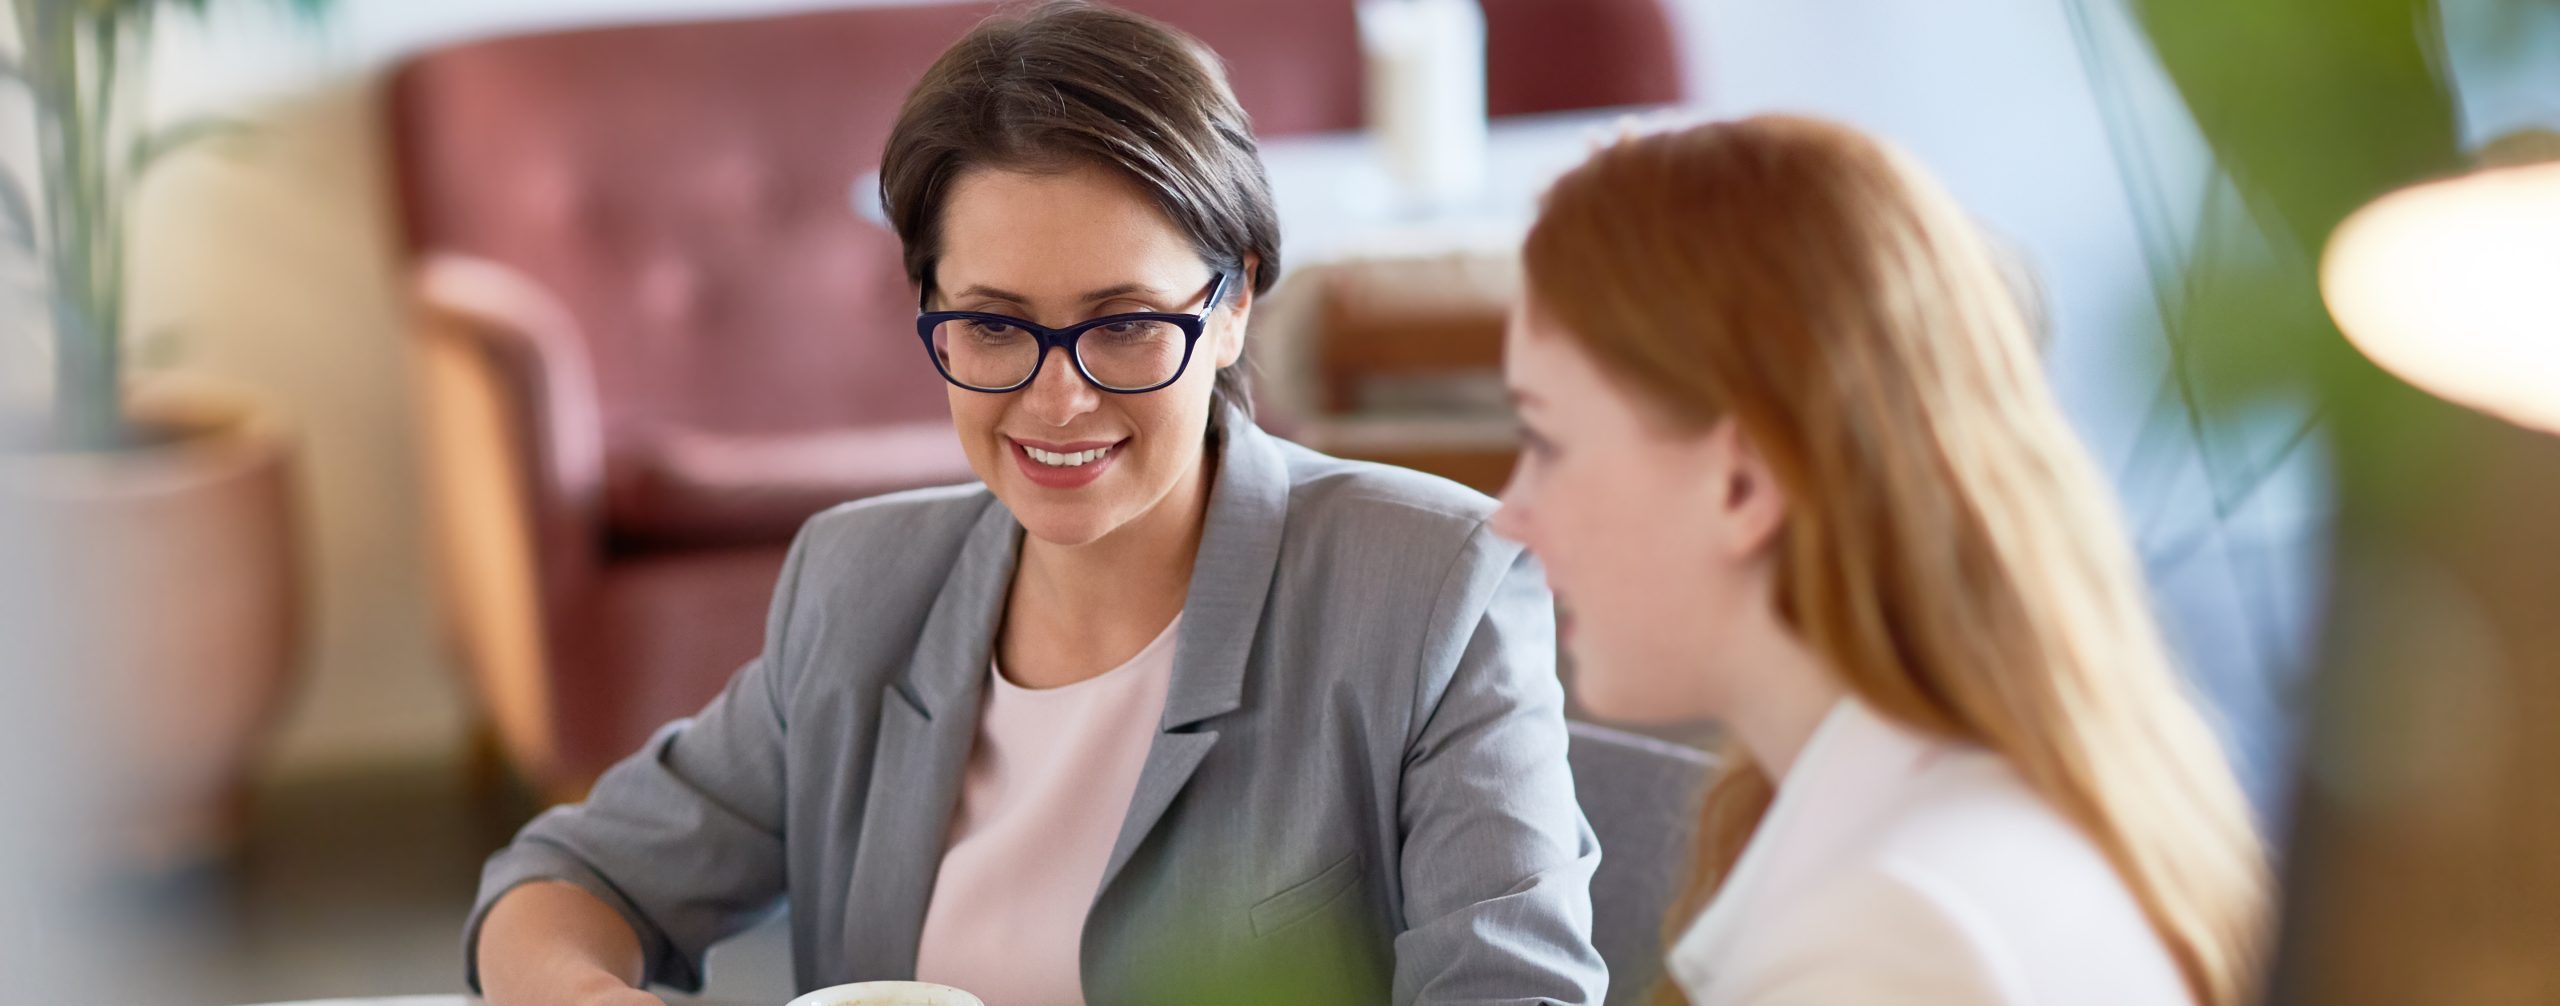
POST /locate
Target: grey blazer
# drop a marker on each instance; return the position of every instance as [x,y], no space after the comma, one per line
[1359,792]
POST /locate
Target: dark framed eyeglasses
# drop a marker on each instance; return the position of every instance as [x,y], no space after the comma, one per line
[1125,354]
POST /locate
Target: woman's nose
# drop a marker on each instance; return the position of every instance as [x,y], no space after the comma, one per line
[1059,394]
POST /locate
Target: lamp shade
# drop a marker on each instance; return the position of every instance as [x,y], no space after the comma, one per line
[2454,286]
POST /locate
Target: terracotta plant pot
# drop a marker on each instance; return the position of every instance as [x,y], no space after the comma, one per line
[169,578]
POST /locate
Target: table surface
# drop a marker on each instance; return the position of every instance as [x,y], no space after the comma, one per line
[455,1000]
[447,1000]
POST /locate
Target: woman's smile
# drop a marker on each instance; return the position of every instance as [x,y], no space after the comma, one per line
[1074,465]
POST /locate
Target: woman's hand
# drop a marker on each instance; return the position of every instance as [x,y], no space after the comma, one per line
[550,943]
[623,996]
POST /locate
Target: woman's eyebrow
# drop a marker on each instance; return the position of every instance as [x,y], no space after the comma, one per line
[1095,297]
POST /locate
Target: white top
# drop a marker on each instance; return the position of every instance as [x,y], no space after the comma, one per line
[1896,867]
[1048,785]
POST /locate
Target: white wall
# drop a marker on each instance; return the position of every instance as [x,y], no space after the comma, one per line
[270,264]
[2505,64]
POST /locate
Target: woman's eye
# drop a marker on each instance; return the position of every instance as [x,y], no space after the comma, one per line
[1536,444]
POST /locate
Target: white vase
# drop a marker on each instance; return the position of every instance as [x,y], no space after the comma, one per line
[167,582]
[1424,61]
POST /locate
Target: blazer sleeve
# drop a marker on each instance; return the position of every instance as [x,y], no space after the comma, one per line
[683,838]
[1497,859]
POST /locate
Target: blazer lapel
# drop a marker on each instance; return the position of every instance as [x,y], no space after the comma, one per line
[1239,550]
[928,724]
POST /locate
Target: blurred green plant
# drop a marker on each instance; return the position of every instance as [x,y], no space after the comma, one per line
[82,62]
[2308,110]
[2441,575]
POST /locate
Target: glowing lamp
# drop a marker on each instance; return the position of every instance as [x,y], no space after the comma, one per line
[2454,286]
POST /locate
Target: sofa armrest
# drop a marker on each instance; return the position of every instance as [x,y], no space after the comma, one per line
[515,457]
[689,487]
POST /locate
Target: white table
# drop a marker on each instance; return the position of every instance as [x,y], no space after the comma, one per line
[390,1001]
[454,1000]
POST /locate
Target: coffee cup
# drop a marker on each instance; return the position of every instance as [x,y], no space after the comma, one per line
[888,994]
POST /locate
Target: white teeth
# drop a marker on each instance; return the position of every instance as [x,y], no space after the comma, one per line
[1078,459]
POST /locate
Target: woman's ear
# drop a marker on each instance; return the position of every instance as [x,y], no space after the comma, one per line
[1230,324]
[1240,289]
[1752,502]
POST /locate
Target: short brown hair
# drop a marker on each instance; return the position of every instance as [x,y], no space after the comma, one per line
[1066,84]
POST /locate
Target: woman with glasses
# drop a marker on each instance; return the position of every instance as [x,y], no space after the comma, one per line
[1165,710]
[1794,467]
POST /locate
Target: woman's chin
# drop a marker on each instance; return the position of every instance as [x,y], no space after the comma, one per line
[1062,524]
[1606,696]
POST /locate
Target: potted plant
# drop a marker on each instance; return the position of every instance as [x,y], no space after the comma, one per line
[163,506]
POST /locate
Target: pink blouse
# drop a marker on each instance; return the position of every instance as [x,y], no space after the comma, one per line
[1048,784]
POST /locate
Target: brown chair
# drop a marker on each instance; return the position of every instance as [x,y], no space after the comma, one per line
[654,337]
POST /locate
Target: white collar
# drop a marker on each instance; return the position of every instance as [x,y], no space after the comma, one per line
[1842,781]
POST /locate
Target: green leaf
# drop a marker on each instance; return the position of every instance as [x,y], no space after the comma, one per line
[17,214]
[161,143]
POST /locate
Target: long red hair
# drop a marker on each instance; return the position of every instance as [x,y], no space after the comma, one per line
[1950,550]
